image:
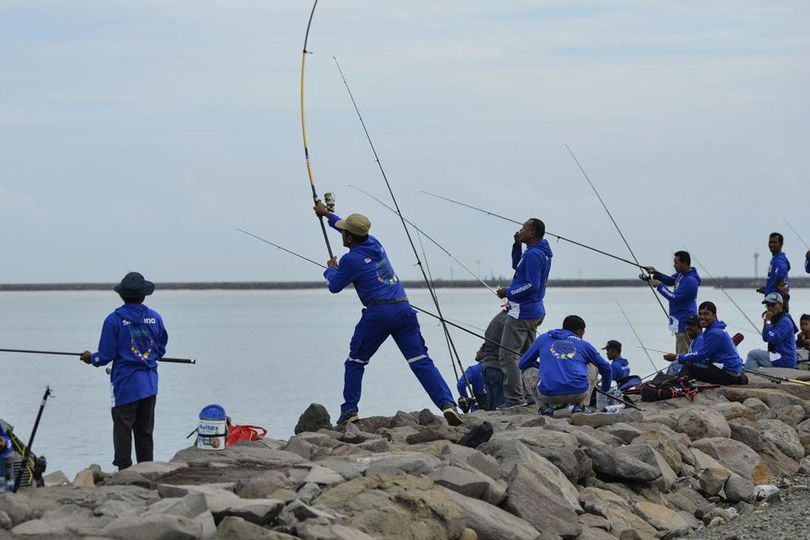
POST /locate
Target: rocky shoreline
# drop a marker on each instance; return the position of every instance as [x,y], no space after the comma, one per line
[675,469]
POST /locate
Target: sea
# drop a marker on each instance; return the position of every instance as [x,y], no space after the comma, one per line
[265,355]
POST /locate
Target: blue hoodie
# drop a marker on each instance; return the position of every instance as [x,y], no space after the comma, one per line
[528,286]
[132,338]
[619,368]
[476,375]
[683,297]
[562,358]
[366,265]
[780,336]
[5,444]
[807,264]
[716,347]
[777,271]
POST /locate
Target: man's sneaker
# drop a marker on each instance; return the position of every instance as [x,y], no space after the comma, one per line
[547,411]
[577,409]
[451,415]
[347,418]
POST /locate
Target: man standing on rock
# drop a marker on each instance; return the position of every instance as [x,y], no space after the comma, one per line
[133,338]
[525,295]
[777,279]
[682,298]
[568,366]
[386,313]
[779,332]
[716,360]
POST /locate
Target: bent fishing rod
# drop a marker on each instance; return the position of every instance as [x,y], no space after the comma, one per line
[736,305]
[452,347]
[548,233]
[775,378]
[27,452]
[423,233]
[304,54]
[638,337]
[621,234]
[62,353]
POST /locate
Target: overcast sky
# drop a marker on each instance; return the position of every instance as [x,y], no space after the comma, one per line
[139,135]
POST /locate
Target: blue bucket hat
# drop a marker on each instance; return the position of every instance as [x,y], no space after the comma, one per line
[134,284]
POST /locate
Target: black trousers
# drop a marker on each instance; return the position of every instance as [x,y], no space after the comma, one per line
[712,374]
[138,419]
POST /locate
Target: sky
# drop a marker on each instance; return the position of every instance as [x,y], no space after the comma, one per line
[140,135]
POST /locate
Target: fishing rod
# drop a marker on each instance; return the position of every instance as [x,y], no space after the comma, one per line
[620,400]
[797,234]
[452,347]
[653,350]
[775,377]
[549,233]
[717,285]
[27,452]
[423,233]
[616,225]
[633,328]
[304,130]
[61,353]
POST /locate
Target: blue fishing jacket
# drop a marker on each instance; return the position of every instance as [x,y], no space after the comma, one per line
[133,337]
[476,375]
[562,358]
[619,368]
[528,286]
[715,348]
[5,446]
[675,367]
[780,336]
[366,265]
[807,264]
[777,271]
[682,298]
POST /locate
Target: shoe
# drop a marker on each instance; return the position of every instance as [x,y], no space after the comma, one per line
[511,405]
[451,415]
[547,411]
[347,418]
[577,409]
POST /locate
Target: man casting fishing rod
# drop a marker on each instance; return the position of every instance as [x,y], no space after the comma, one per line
[133,338]
[682,298]
[386,313]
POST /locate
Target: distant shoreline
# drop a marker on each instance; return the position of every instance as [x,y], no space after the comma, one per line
[725,282]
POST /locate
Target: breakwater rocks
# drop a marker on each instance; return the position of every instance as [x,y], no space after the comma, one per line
[675,469]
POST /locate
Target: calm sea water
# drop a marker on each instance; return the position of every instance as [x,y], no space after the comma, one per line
[266,355]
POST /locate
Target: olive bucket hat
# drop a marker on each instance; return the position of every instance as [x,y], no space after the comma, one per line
[134,284]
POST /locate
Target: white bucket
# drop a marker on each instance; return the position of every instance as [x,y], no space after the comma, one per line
[212,429]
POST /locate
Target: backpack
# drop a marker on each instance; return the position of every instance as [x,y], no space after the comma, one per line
[665,386]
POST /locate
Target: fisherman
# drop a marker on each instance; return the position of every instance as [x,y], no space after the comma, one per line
[5,451]
[778,331]
[133,338]
[715,360]
[386,313]
[778,268]
[682,298]
[494,376]
[619,367]
[803,340]
[568,367]
[525,295]
[473,376]
[695,335]
[807,262]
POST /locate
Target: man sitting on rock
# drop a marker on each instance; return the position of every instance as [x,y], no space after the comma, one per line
[715,361]
[695,334]
[473,377]
[778,331]
[568,367]
[803,341]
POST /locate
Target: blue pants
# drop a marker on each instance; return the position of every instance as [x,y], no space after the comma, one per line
[376,324]
[494,378]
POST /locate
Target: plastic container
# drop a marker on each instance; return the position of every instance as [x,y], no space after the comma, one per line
[212,431]
[766,492]
[618,407]
[602,401]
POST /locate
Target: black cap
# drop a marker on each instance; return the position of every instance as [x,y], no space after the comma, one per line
[134,284]
[613,344]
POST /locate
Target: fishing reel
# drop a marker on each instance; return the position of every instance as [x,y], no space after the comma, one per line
[329,201]
[644,277]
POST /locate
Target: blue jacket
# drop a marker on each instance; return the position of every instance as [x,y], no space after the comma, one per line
[780,336]
[528,286]
[366,265]
[562,358]
[675,367]
[777,271]
[807,264]
[476,375]
[715,347]
[132,338]
[619,368]
[5,443]
[682,298]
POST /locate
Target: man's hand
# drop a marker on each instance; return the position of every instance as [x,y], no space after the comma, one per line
[670,357]
[651,270]
[517,237]
[86,357]
[321,210]
[767,316]
[655,282]
[332,263]
[501,292]
[479,355]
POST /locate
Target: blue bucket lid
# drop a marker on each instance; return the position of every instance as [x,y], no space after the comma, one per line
[212,412]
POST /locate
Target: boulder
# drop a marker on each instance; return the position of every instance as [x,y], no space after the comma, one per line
[245,453]
[477,435]
[734,409]
[324,476]
[261,485]
[746,431]
[155,469]
[665,520]
[461,481]
[56,478]
[573,462]
[713,479]
[625,432]
[553,484]
[686,499]
[84,478]
[606,419]
[315,417]
[529,492]
[759,408]
[153,527]
[738,489]
[636,462]
[63,521]
[491,523]
[700,424]
[233,527]
[127,477]
[402,418]
[17,506]
[735,456]
[435,432]
[778,463]
[258,511]
[394,463]
[664,445]
[784,437]
[790,414]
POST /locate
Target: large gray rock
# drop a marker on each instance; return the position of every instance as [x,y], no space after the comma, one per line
[540,466]
[258,511]
[62,521]
[323,476]
[734,409]
[461,480]
[637,462]
[617,511]
[573,462]
[261,485]
[492,523]
[17,506]
[669,447]
[394,463]
[735,456]
[759,408]
[248,453]
[625,432]
[738,489]
[233,527]
[315,417]
[700,424]
[153,527]
[784,437]
[56,478]
[154,469]
[747,431]
[713,479]
[127,477]
[606,419]
[665,520]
